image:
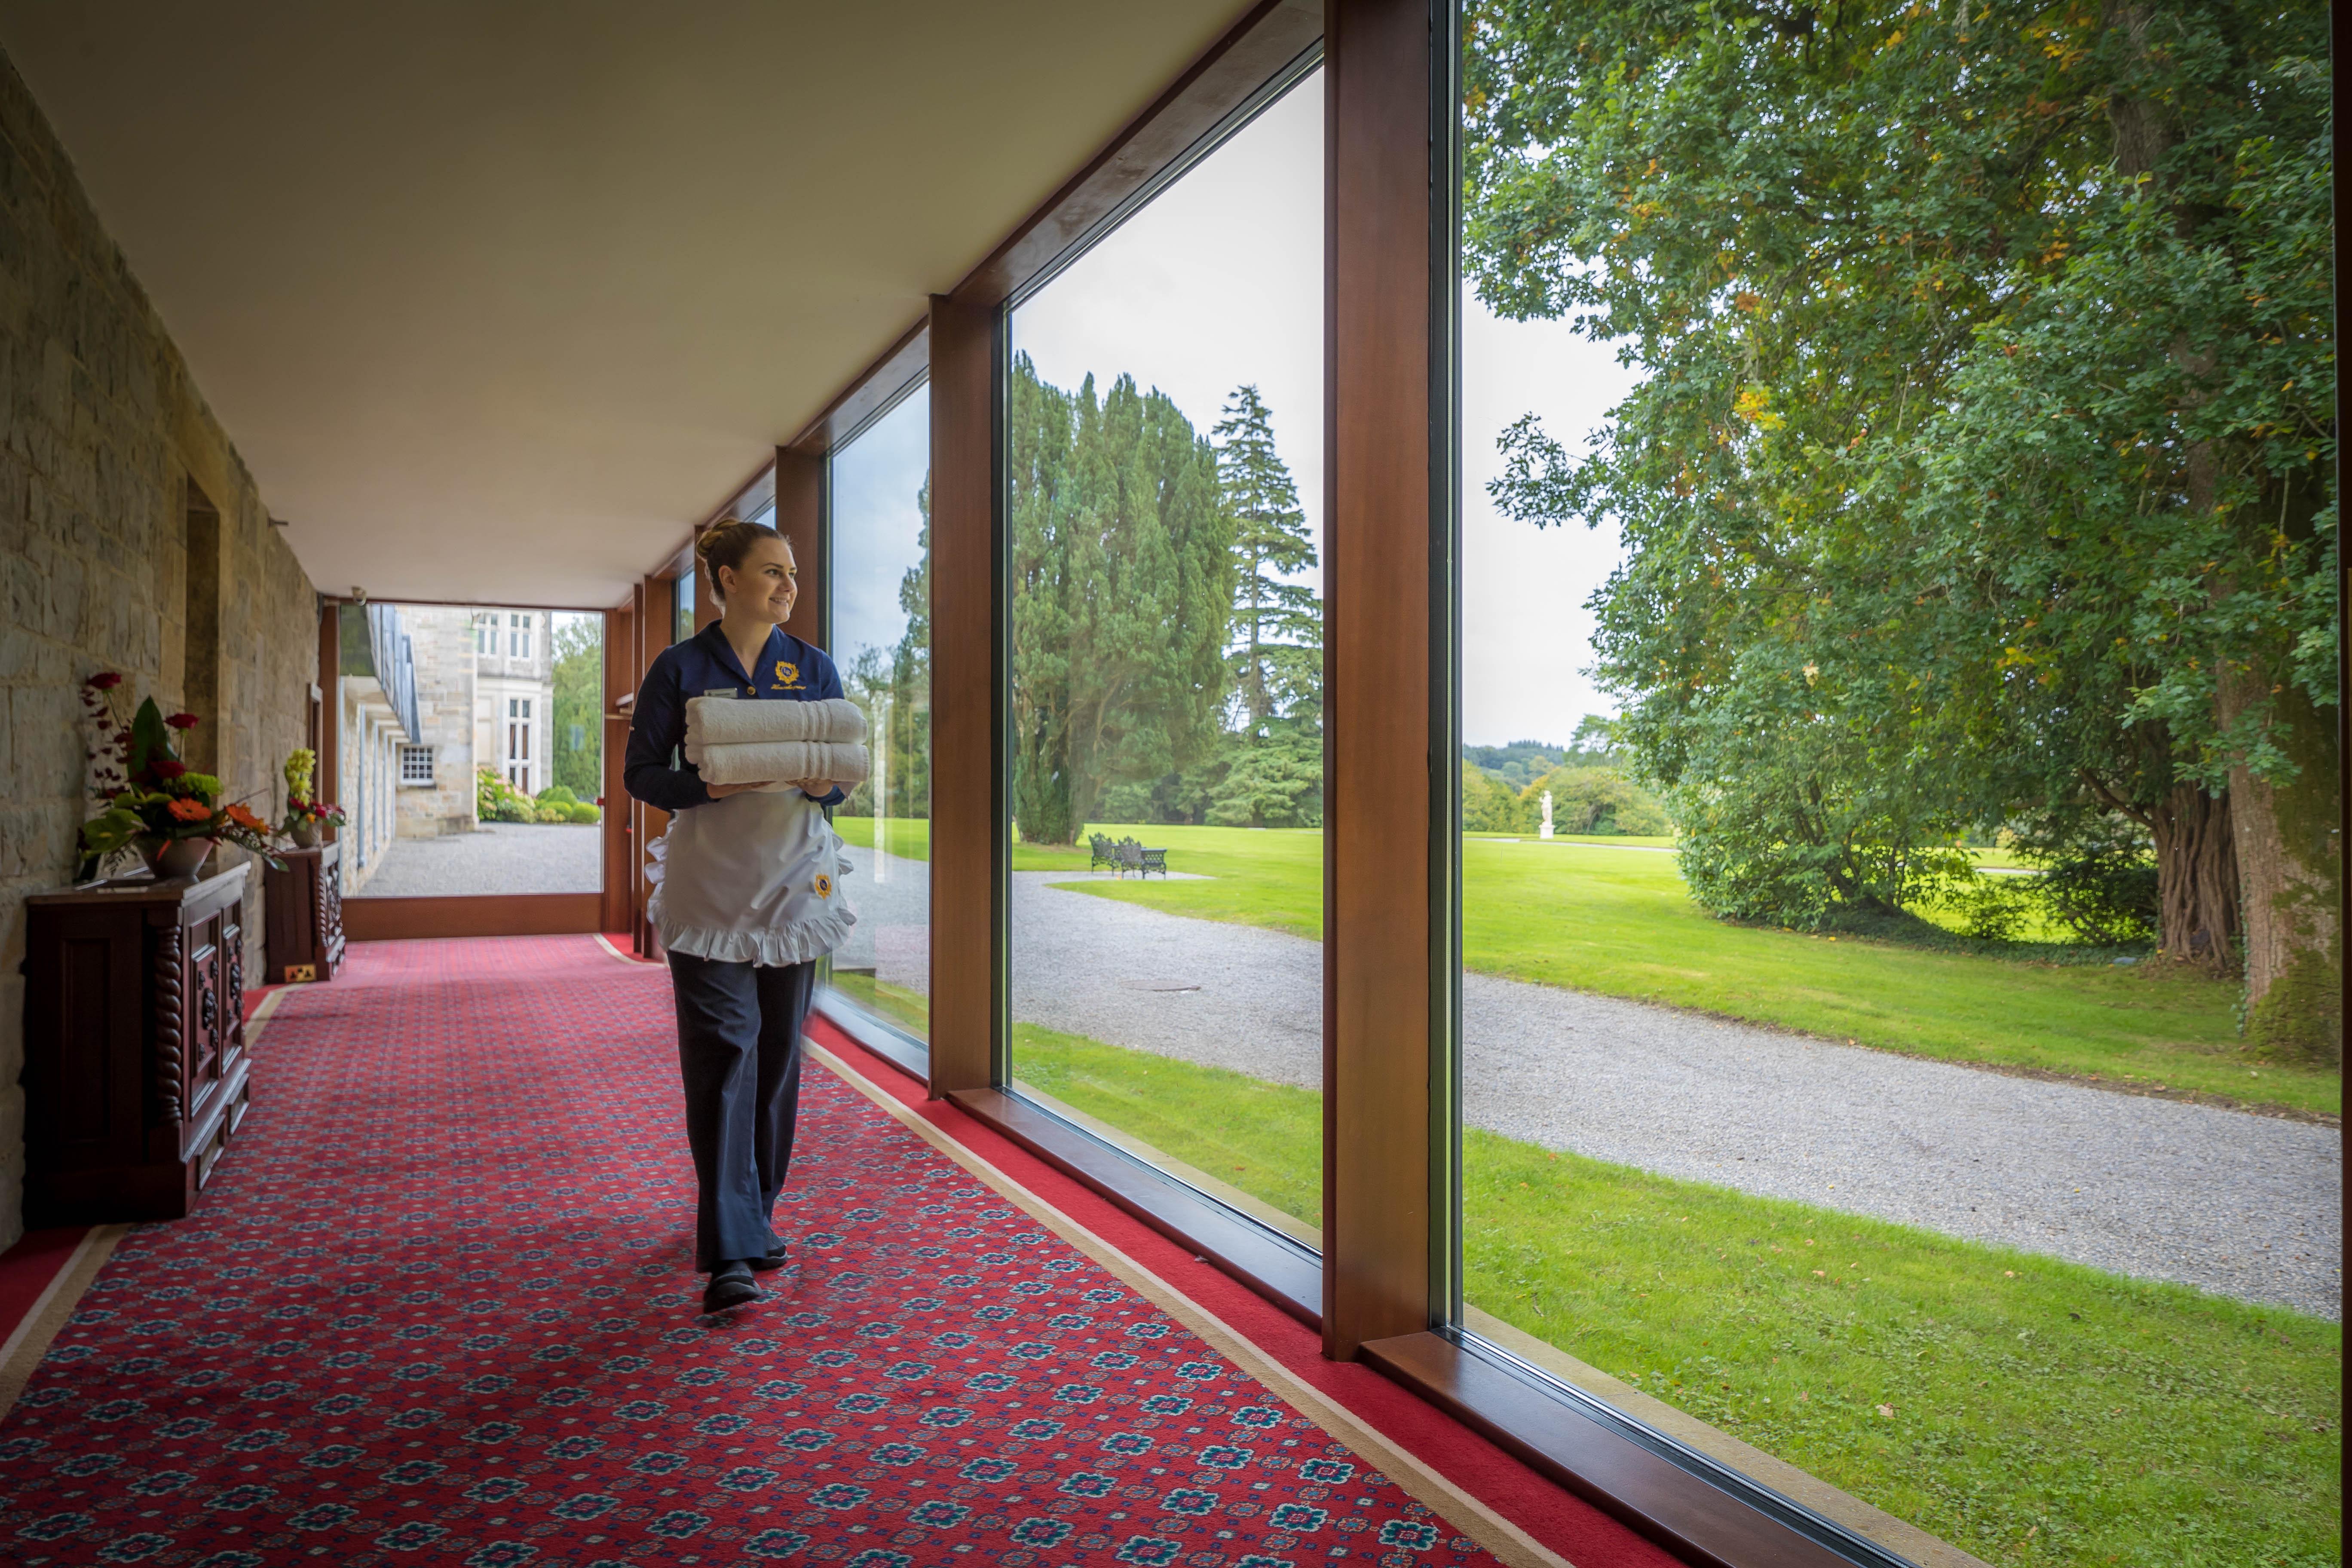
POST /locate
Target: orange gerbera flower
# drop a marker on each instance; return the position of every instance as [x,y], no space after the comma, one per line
[192,811]
[245,818]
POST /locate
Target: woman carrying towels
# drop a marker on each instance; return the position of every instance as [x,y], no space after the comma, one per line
[747,895]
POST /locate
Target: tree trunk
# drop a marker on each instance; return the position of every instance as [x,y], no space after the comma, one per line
[2196,879]
[2291,867]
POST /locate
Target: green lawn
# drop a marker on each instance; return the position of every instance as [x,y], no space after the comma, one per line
[1617,922]
[2025,1409]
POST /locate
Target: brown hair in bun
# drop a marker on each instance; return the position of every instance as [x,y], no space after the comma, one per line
[725,543]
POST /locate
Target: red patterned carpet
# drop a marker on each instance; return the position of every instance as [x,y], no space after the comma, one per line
[438,1308]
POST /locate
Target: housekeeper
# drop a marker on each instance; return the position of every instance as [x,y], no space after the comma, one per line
[747,898]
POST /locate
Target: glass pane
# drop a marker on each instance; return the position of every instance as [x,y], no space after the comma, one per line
[470,755]
[684,627]
[880,504]
[1899,1026]
[1165,435]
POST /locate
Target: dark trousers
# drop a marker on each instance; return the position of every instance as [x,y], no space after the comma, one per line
[738,1050]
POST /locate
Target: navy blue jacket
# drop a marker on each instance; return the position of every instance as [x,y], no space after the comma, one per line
[789,670]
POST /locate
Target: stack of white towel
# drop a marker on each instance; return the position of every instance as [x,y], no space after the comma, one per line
[778,744]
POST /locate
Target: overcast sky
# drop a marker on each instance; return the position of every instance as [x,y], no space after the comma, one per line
[1219,282]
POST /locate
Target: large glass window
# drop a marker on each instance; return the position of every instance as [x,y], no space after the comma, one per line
[1164,438]
[471,750]
[878,494]
[1899,1028]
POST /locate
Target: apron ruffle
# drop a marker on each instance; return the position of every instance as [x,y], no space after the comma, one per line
[753,879]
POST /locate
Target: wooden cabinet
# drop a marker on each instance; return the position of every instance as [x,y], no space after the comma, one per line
[134,1044]
[305,918]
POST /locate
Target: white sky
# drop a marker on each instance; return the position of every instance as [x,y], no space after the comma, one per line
[1218,282]
[875,522]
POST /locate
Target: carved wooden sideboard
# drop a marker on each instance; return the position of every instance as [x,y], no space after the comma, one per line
[134,1044]
[305,918]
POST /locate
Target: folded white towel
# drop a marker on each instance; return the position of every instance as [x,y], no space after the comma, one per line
[781,761]
[735,721]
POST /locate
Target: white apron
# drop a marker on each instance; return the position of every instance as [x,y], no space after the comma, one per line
[752,878]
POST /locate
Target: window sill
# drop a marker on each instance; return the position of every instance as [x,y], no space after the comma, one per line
[1276,1267]
[1595,1452]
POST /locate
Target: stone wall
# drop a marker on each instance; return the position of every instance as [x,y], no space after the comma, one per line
[132,539]
[442,641]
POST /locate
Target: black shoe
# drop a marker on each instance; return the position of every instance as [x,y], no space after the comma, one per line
[730,1286]
[777,1258]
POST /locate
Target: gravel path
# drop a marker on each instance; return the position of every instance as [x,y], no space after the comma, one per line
[2246,1205]
[499,857]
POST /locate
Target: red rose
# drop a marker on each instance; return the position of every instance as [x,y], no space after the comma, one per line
[184,720]
[105,680]
[167,767]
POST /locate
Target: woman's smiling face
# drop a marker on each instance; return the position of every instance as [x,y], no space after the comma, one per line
[766,582]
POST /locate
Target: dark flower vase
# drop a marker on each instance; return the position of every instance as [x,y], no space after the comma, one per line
[175,857]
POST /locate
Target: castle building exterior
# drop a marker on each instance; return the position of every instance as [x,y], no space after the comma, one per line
[429,694]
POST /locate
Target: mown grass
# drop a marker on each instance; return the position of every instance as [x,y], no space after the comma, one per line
[2025,1409]
[1617,922]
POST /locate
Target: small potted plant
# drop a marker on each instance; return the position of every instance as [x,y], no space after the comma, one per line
[154,804]
[304,818]
[304,815]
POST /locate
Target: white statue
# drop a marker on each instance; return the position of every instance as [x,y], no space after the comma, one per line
[1545,831]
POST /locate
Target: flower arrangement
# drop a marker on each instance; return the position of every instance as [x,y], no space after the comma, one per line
[153,802]
[304,815]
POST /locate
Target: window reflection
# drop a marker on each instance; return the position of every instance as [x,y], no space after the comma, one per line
[880,582]
[1164,435]
[1862,609]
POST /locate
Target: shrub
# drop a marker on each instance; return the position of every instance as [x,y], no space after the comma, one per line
[558,794]
[580,811]
[495,800]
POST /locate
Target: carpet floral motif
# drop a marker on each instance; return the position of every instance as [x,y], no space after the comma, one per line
[437,1309]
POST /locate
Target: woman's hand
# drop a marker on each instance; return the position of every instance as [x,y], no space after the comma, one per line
[720,792]
[815,789]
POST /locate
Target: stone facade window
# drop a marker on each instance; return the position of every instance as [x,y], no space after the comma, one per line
[416,764]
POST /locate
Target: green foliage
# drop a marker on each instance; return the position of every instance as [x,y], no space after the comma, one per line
[1982,450]
[1486,806]
[1592,799]
[1278,666]
[495,800]
[581,811]
[1122,589]
[578,759]
[150,740]
[1273,779]
[557,795]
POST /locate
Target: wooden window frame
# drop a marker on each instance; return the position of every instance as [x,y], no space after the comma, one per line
[1386,1287]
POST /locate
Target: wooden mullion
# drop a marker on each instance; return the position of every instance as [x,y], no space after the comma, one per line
[800,518]
[968,827]
[1378,1153]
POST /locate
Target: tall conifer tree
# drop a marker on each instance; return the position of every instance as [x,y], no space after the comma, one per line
[1277,624]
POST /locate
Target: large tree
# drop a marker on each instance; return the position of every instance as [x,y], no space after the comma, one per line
[1271,771]
[1278,655]
[1980,463]
[1122,591]
[578,720]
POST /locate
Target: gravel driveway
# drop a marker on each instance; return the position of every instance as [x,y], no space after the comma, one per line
[2247,1205]
[498,858]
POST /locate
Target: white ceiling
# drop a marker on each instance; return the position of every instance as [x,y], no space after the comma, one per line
[496,297]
